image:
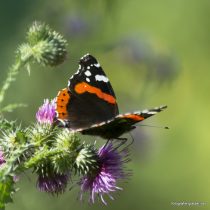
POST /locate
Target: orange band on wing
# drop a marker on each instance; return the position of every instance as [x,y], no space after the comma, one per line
[134,117]
[62,100]
[84,87]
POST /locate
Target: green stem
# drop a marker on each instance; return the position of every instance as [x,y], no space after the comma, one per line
[11,76]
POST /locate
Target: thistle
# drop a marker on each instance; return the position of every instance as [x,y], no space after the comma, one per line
[44,46]
[86,160]
[55,154]
[103,180]
[49,181]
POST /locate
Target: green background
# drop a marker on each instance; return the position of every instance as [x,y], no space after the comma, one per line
[154,52]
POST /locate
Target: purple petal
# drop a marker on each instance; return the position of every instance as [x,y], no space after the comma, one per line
[46,112]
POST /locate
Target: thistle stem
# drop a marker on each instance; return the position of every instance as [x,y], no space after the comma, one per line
[11,76]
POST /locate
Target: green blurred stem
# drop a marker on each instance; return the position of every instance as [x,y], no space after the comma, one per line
[11,76]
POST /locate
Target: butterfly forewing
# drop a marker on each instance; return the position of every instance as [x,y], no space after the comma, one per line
[92,99]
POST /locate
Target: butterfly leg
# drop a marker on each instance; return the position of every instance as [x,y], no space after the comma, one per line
[132,140]
[121,142]
[124,141]
[107,142]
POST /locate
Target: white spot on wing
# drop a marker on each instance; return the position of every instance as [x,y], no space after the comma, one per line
[78,71]
[88,73]
[97,65]
[152,112]
[101,78]
[69,83]
[87,79]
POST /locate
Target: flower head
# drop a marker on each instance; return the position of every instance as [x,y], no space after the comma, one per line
[44,46]
[104,180]
[46,112]
[48,46]
[53,183]
[49,180]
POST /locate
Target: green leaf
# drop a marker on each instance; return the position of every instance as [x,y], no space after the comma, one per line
[11,107]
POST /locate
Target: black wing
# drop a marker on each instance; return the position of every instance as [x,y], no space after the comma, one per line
[92,99]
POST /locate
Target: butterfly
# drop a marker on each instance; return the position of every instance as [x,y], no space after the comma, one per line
[88,105]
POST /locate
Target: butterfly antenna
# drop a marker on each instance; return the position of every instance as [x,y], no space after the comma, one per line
[154,126]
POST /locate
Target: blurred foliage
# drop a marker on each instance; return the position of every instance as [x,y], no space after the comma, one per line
[154,52]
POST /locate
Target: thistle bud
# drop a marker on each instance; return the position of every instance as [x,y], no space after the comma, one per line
[86,160]
[41,133]
[67,142]
[44,46]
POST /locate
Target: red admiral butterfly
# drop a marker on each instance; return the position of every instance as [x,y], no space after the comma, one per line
[89,105]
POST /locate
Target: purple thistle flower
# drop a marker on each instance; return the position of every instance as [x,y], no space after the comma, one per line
[104,180]
[2,160]
[53,184]
[46,112]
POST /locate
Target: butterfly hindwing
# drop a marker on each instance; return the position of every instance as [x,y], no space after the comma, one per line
[121,124]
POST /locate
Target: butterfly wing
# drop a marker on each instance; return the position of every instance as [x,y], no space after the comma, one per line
[89,99]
